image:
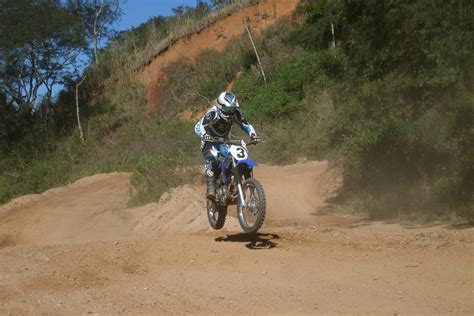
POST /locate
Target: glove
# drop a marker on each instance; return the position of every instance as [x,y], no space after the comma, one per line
[207,138]
[255,138]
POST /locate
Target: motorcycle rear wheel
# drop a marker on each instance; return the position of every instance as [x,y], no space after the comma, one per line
[216,214]
[251,216]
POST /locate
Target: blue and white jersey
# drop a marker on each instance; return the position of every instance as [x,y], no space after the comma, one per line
[216,126]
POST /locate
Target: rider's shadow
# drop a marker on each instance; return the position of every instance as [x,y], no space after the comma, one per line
[254,241]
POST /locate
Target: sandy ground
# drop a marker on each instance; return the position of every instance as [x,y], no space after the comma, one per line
[79,250]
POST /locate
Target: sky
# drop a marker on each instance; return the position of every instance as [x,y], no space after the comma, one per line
[136,12]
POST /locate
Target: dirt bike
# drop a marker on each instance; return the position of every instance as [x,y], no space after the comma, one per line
[235,185]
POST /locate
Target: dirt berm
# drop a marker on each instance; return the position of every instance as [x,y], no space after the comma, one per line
[78,250]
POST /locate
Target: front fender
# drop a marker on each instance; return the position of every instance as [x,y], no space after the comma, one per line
[250,163]
[245,168]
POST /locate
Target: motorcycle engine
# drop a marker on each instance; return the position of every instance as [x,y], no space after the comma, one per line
[221,193]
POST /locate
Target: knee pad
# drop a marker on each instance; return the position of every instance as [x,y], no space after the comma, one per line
[209,173]
[209,168]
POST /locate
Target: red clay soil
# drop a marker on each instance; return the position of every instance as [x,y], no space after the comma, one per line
[213,37]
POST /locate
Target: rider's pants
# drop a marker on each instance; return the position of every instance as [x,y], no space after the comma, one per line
[210,162]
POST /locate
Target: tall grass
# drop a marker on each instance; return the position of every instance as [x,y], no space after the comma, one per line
[123,55]
[181,28]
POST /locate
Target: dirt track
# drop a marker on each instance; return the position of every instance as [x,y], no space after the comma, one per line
[78,249]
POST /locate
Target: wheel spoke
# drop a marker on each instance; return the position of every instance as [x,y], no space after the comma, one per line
[251,215]
[249,210]
[216,214]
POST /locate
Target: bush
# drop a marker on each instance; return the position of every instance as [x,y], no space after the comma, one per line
[154,175]
[173,165]
[284,91]
[399,94]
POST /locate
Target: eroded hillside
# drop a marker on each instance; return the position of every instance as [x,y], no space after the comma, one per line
[215,37]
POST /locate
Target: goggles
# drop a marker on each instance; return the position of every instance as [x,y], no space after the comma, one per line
[228,110]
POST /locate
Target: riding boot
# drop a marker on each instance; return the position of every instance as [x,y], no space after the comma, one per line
[211,189]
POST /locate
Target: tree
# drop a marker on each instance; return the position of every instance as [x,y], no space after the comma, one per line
[219,3]
[98,17]
[323,19]
[78,116]
[35,55]
[181,10]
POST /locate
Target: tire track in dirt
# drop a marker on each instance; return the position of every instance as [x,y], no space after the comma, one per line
[95,208]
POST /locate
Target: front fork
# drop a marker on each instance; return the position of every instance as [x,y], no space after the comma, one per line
[241,194]
[238,183]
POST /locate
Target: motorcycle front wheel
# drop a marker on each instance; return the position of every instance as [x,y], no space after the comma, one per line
[216,214]
[252,215]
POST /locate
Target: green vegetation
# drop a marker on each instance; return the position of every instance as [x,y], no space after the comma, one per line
[175,164]
[138,47]
[404,106]
[388,96]
[39,143]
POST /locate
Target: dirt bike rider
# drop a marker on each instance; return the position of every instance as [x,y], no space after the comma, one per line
[217,123]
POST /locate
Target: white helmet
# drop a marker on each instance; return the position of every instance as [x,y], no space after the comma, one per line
[227,104]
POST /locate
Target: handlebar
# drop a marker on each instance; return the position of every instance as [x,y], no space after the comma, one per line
[234,141]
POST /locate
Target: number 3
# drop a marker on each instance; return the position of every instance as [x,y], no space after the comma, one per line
[241,153]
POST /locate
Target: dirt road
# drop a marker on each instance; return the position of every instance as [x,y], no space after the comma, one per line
[79,249]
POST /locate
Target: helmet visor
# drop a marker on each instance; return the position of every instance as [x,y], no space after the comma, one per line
[228,110]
